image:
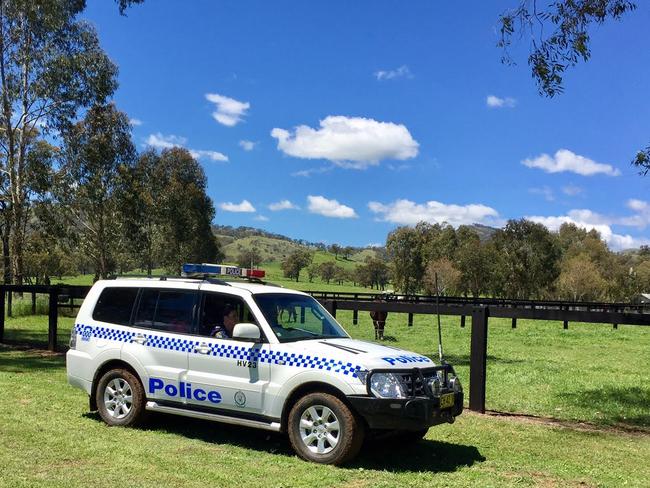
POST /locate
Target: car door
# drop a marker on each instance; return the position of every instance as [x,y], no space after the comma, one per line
[162,324]
[229,367]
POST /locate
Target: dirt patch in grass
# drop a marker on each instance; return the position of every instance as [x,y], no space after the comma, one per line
[621,429]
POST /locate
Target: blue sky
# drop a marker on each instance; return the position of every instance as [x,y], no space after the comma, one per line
[338,121]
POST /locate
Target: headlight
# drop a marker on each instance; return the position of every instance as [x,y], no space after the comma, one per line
[454,384]
[434,386]
[387,385]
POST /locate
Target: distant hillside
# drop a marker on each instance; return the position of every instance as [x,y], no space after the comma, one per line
[484,232]
[275,249]
[244,232]
[271,249]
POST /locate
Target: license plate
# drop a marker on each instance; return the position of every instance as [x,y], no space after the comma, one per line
[447,400]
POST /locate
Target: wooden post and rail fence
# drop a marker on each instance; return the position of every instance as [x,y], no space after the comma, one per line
[479,309]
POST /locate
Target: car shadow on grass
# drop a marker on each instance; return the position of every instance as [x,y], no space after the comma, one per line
[426,455]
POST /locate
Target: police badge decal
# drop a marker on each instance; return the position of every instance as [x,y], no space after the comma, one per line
[240,399]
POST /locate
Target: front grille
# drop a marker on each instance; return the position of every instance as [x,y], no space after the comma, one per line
[414,384]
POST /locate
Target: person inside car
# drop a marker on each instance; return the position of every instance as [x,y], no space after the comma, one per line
[230,318]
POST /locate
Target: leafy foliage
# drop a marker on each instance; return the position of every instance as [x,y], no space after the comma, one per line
[96,149]
[568,23]
[295,262]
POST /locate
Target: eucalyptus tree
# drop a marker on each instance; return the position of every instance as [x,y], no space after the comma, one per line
[51,65]
[97,150]
[183,212]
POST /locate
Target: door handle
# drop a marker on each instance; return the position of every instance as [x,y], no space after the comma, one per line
[140,339]
[202,348]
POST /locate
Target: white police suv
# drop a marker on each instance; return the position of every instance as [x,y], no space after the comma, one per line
[280,362]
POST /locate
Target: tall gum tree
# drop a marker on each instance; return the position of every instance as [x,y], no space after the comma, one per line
[51,65]
[97,150]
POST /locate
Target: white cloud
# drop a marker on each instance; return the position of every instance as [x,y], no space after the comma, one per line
[306,173]
[638,205]
[565,160]
[544,191]
[330,208]
[283,205]
[406,212]
[572,190]
[247,145]
[261,218]
[493,101]
[244,207]
[135,122]
[349,142]
[212,155]
[229,111]
[641,218]
[589,220]
[160,141]
[401,72]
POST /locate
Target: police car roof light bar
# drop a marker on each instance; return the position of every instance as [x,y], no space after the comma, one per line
[207,269]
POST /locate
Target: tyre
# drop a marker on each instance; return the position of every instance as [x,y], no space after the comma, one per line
[324,430]
[120,398]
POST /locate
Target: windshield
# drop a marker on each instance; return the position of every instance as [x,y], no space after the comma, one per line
[297,317]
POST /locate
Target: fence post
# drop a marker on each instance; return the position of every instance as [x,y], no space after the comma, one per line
[410,320]
[462,321]
[566,324]
[478,359]
[2,313]
[331,307]
[10,297]
[33,303]
[53,317]
[302,314]
[355,317]
[514,322]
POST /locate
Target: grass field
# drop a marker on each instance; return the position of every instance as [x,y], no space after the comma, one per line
[48,438]
[589,384]
[589,373]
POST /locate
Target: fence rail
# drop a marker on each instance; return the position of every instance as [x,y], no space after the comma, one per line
[479,309]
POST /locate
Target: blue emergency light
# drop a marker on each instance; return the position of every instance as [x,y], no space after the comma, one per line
[204,269]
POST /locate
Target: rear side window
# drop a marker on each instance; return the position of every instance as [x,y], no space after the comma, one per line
[168,310]
[115,305]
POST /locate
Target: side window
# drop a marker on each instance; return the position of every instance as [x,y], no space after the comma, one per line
[167,310]
[221,311]
[115,305]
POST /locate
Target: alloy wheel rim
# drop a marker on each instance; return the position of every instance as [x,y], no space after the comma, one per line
[118,398]
[320,430]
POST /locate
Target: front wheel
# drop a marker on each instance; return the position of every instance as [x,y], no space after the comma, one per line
[120,398]
[323,429]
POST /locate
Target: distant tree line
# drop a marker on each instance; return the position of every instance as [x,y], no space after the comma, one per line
[522,260]
[75,197]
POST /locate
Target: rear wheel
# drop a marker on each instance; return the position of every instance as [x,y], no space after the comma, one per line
[323,429]
[120,398]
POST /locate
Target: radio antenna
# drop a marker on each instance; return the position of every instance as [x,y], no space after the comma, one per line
[438,314]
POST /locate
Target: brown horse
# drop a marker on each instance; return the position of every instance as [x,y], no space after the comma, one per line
[379,321]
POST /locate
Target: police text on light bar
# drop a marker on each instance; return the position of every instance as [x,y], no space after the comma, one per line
[221,270]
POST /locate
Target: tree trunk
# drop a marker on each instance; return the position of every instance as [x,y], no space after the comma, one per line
[6,256]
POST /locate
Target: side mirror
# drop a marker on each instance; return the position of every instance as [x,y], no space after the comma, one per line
[250,332]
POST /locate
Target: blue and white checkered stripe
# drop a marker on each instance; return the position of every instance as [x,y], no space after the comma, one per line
[231,351]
